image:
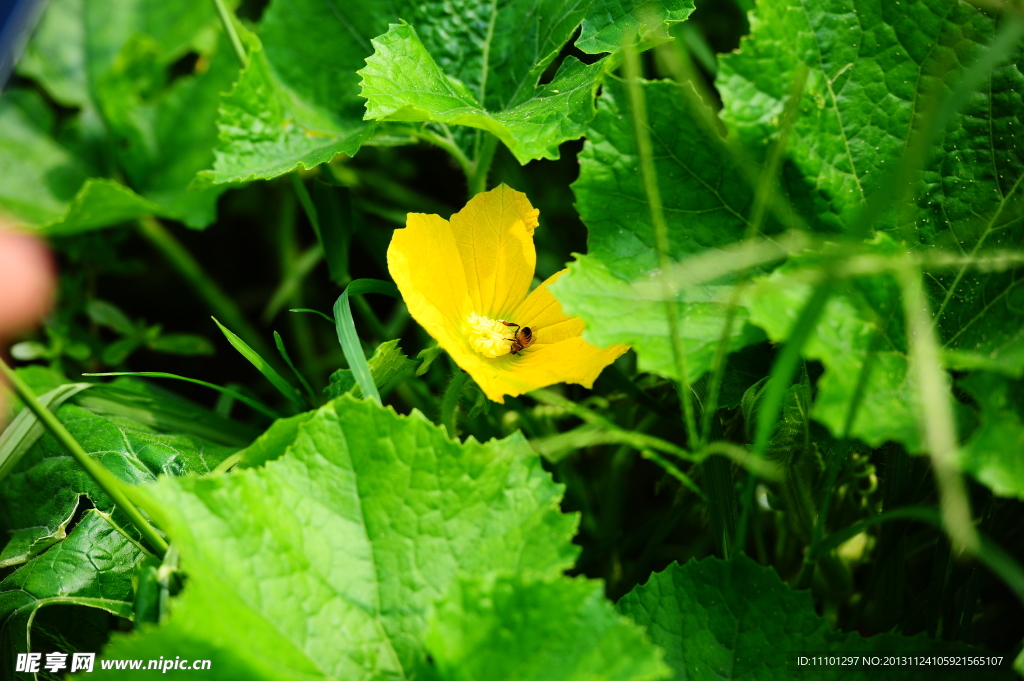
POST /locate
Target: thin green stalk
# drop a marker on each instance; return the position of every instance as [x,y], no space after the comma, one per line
[188,267]
[937,422]
[638,106]
[482,165]
[764,194]
[448,144]
[746,507]
[229,28]
[100,475]
[450,402]
[785,366]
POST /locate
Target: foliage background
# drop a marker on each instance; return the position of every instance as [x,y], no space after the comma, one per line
[140,106]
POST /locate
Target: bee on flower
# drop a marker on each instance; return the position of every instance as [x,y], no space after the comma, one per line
[467,282]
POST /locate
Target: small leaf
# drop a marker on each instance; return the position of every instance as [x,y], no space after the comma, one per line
[402,82]
[387,365]
[181,344]
[107,314]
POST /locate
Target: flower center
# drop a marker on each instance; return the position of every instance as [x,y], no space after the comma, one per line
[489,336]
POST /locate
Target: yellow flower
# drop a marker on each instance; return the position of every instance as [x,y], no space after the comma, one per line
[463,278]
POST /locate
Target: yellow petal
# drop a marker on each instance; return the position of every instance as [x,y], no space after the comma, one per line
[424,261]
[542,312]
[494,233]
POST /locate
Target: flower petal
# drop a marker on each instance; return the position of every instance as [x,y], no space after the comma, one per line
[542,312]
[494,233]
[424,261]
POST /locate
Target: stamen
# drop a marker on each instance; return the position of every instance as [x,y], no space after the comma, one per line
[489,336]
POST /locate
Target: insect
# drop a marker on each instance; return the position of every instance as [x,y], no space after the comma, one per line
[521,339]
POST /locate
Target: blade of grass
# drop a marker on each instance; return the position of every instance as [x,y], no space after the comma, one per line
[229,27]
[288,360]
[645,150]
[450,402]
[329,318]
[349,338]
[26,428]
[303,266]
[283,386]
[261,408]
[936,417]
[106,481]
[785,366]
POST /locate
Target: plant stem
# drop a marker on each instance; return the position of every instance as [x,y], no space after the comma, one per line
[938,425]
[645,150]
[218,301]
[100,475]
[449,145]
[450,402]
[229,28]
[482,165]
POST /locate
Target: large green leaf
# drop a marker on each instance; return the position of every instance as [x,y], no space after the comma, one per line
[402,82]
[706,202]
[112,62]
[38,499]
[516,628]
[735,619]
[92,568]
[992,453]
[267,129]
[324,562]
[874,68]
[298,104]
[163,139]
[611,24]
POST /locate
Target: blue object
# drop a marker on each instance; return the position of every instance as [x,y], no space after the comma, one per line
[17,19]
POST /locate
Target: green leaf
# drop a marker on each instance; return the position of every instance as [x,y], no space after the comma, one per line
[112,62]
[298,104]
[163,138]
[38,499]
[266,130]
[25,429]
[55,57]
[618,311]
[361,522]
[181,344]
[992,453]
[387,365]
[735,619]
[706,201]
[91,568]
[108,314]
[517,628]
[875,69]
[40,176]
[402,82]
[611,24]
